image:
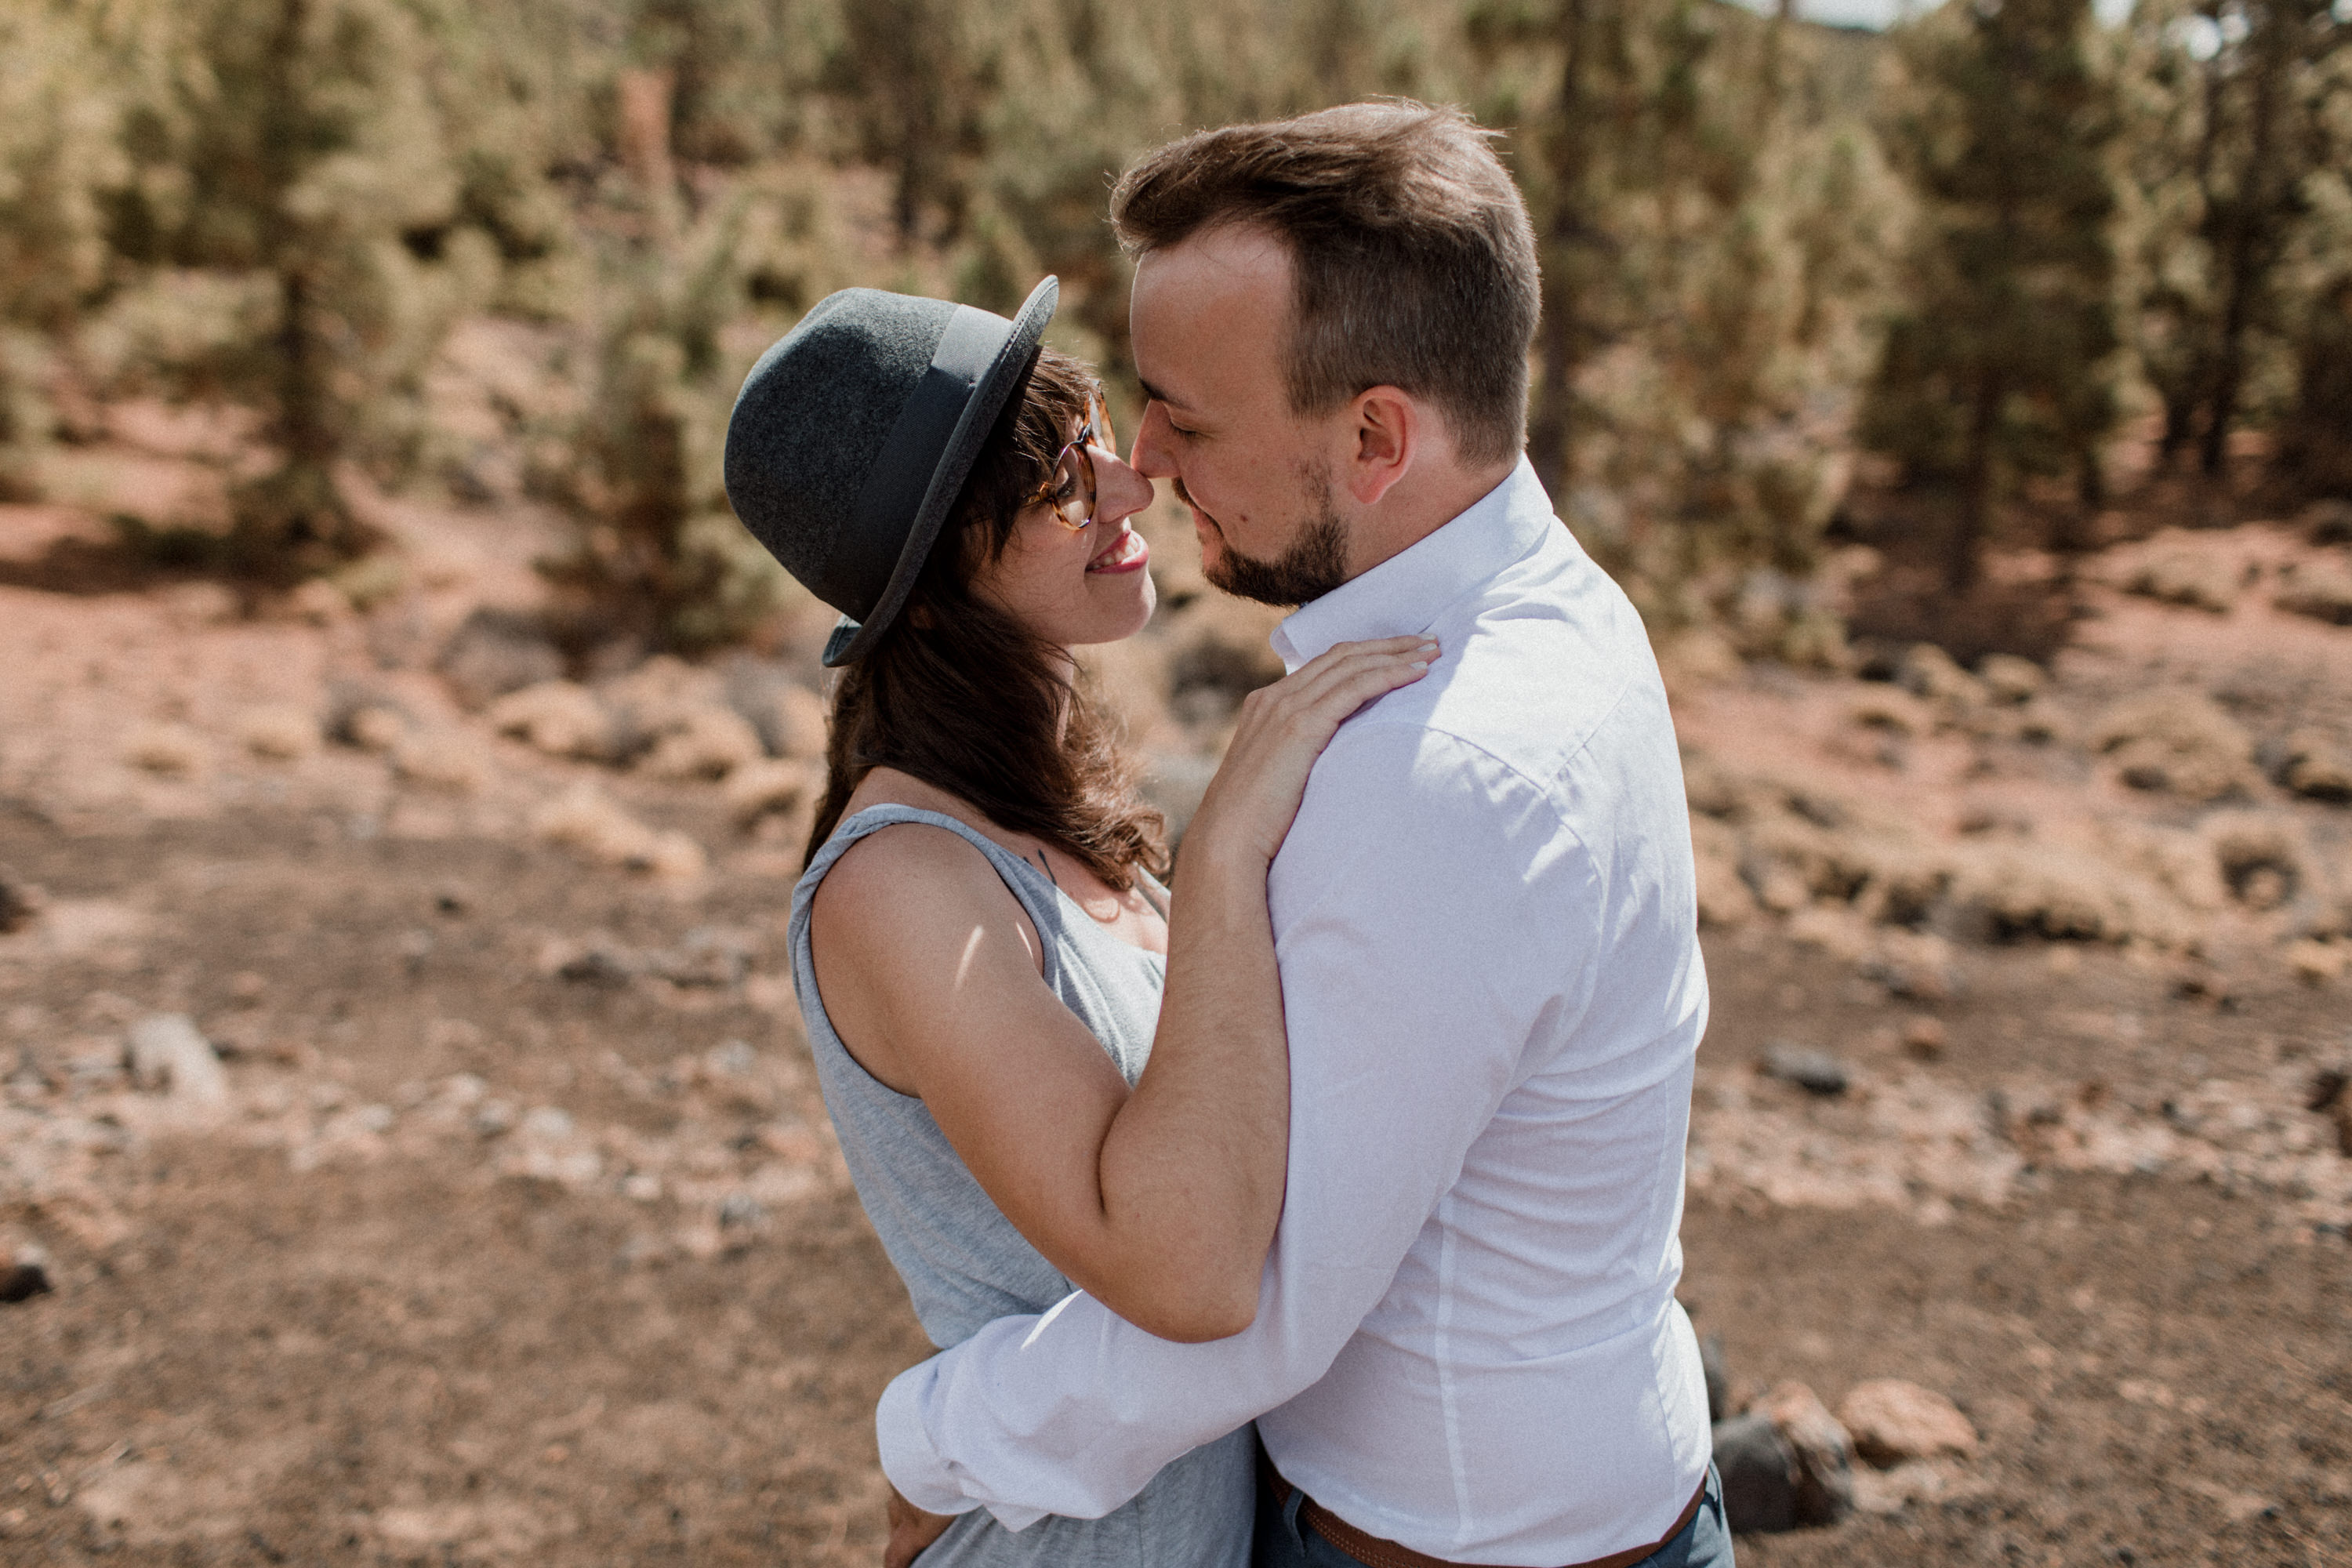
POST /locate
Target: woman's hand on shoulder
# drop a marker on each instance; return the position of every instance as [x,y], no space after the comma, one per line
[1283,728]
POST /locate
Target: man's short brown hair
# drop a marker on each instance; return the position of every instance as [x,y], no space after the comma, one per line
[1413,262]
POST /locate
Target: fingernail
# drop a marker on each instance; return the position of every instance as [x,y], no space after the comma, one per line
[1418,665]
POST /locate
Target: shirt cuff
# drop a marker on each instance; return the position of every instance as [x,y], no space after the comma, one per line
[910,1462]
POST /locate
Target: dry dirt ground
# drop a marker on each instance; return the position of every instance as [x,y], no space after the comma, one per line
[514,1232]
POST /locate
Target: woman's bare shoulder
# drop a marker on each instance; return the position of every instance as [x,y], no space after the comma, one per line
[903,865]
[910,892]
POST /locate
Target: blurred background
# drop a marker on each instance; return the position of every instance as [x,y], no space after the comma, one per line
[1965,254]
[407,1148]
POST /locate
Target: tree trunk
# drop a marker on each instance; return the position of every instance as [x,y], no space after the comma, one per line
[1559,333]
[1976,488]
[2246,255]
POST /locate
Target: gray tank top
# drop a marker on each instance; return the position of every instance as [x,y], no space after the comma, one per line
[964,1263]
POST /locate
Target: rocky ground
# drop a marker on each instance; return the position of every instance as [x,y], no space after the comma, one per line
[408,1152]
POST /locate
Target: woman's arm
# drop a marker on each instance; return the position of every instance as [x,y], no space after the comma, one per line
[1161,1203]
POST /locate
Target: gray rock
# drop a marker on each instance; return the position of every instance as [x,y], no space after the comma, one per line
[22,1282]
[1760,1475]
[709,957]
[1815,1072]
[168,1053]
[2329,523]
[494,652]
[600,965]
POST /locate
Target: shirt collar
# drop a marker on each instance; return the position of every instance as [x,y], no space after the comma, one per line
[1404,594]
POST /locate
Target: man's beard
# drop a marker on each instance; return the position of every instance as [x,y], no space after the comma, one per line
[1316,562]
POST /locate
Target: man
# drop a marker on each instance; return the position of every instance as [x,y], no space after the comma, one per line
[1467,1348]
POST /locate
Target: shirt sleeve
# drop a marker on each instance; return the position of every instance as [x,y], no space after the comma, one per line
[1424,915]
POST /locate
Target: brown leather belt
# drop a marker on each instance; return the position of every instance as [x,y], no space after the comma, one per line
[1373,1552]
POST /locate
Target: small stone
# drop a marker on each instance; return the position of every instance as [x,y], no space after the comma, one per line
[278,734]
[1892,1491]
[1824,1453]
[2309,763]
[2322,590]
[320,603]
[447,762]
[705,743]
[602,966]
[1815,1072]
[171,751]
[770,787]
[584,819]
[1892,1421]
[2329,523]
[1922,1038]
[167,1053]
[708,958]
[547,1123]
[373,727]
[495,652]
[20,902]
[560,717]
[22,1282]
[1927,671]
[2009,680]
[2191,578]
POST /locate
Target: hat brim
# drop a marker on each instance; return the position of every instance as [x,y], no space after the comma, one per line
[853,640]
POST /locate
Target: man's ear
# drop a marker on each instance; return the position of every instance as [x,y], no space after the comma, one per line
[1388,430]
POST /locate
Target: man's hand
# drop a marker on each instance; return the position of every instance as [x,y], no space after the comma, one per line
[911,1530]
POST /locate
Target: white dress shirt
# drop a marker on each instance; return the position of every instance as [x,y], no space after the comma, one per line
[1466,1339]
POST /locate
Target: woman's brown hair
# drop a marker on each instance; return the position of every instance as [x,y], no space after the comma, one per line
[957,694]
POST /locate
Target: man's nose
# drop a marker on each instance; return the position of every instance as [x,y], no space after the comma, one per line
[1119,490]
[1154,454]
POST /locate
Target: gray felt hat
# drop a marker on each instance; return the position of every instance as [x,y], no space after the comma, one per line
[853,435]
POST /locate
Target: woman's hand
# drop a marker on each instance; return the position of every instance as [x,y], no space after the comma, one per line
[912,1530]
[1283,727]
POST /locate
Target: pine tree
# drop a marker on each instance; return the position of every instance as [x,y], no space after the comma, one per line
[662,563]
[306,158]
[2000,365]
[57,163]
[916,84]
[2265,123]
[1706,218]
[2235,132]
[2317,445]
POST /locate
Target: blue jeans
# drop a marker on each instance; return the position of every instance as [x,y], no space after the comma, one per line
[1285,1541]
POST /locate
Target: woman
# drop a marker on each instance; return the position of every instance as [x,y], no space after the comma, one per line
[985,958]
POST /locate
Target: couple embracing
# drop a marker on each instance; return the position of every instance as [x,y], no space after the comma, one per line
[1323,1210]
